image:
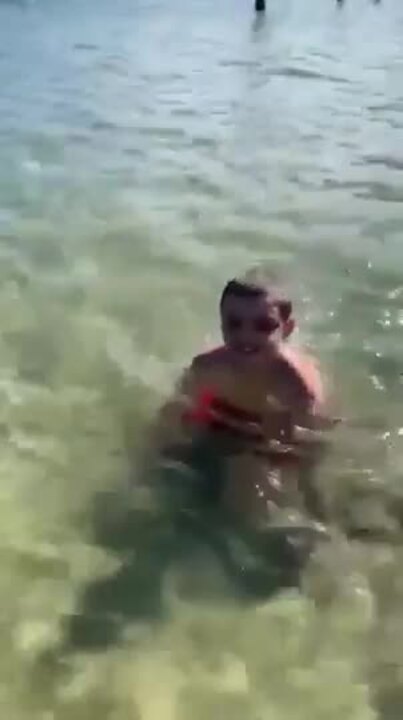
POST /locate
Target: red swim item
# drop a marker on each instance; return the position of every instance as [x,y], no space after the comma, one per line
[201,412]
[214,412]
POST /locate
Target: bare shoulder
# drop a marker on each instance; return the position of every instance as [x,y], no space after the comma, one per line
[209,359]
[306,372]
[202,367]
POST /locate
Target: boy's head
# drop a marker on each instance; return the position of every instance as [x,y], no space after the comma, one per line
[255,314]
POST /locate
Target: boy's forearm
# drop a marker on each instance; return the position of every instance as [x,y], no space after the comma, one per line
[312,444]
[309,490]
[167,428]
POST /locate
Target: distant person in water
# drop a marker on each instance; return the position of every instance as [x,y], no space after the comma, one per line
[259,400]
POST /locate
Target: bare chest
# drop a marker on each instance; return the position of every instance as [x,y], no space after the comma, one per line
[254,389]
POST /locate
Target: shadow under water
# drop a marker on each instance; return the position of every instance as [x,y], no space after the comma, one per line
[183,528]
[149,546]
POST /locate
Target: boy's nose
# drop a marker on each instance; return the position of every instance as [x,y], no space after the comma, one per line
[246,335]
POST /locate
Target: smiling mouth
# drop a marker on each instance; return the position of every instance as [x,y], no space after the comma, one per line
[247,349]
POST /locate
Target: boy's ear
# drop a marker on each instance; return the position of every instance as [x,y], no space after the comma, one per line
[288,328]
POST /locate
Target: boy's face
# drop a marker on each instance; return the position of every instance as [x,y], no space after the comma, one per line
[251,325]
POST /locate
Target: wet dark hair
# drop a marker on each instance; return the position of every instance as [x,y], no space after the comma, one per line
[244,288]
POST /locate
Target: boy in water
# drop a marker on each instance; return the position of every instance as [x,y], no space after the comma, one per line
[259,402]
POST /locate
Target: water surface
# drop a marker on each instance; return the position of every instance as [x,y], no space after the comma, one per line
[148,150]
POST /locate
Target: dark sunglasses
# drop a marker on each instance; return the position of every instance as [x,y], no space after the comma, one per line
[264,325]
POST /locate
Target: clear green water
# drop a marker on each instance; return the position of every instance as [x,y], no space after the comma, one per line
[147,151]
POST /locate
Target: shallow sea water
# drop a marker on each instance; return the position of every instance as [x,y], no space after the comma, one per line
[148,150]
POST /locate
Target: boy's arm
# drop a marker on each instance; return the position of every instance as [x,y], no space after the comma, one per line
[167,428]
[312,421]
